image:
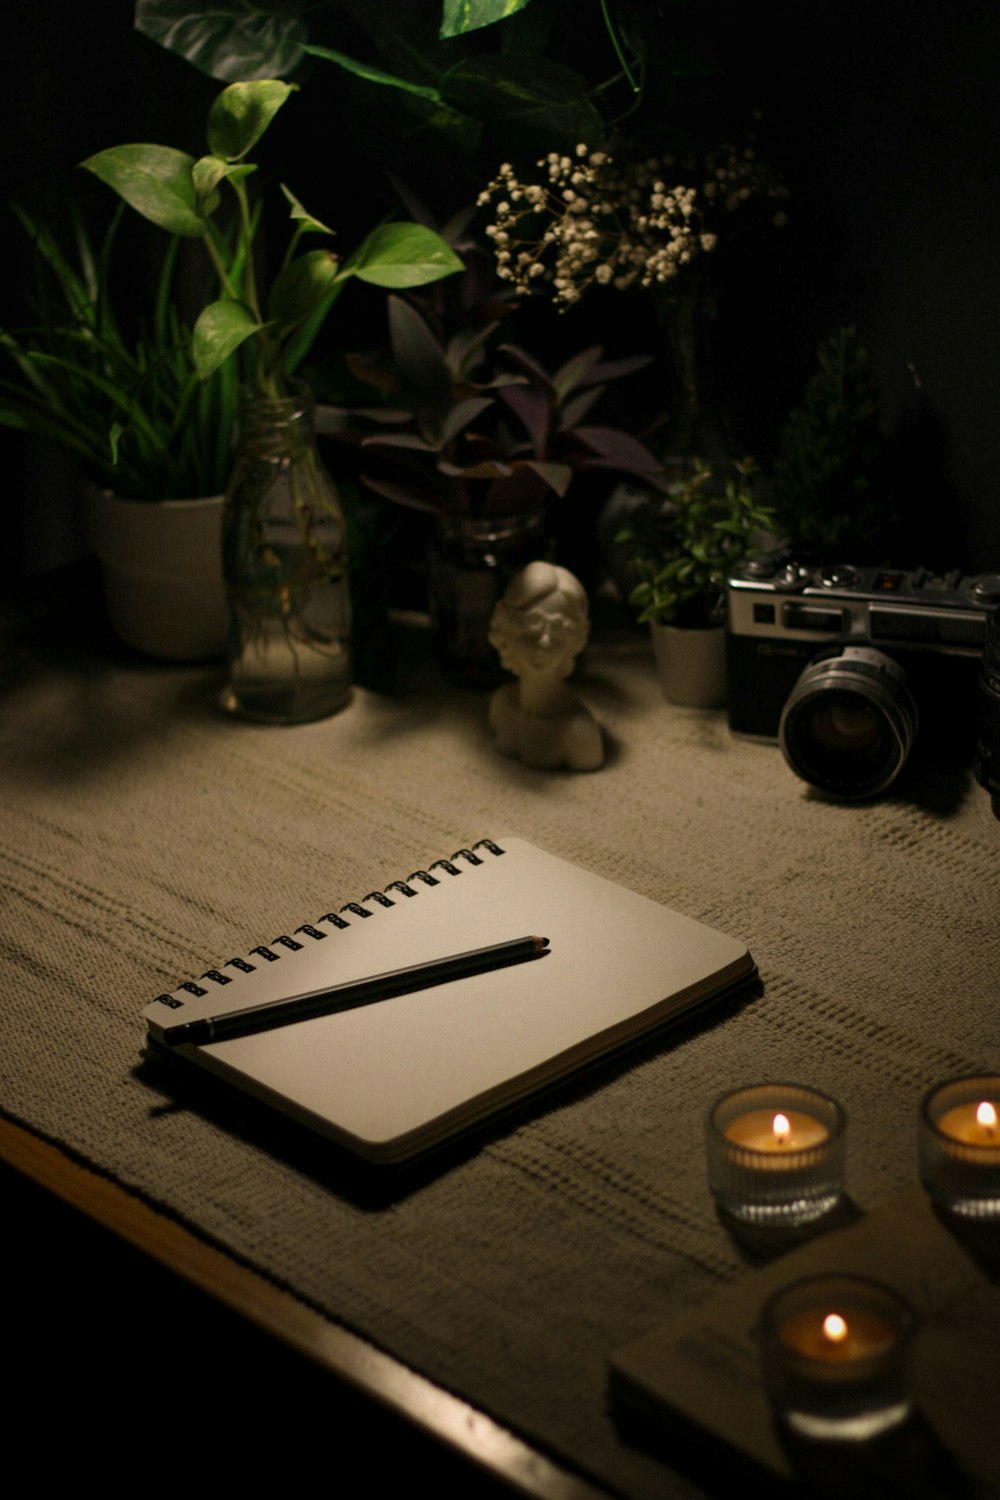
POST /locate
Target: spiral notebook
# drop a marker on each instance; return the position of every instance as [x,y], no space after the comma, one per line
[392,1080]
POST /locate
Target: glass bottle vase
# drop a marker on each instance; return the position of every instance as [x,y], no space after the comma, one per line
[284,558]
[695,430]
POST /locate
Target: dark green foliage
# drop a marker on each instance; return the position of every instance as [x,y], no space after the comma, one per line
[684,550]
[829,493]
[180,193]
[129,407]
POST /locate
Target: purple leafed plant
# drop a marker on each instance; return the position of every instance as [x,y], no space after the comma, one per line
[468,430]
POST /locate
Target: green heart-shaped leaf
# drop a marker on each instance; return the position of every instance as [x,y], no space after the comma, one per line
[156,181]
[460,16]
[225,38]
[221,328]
[532,99]
[402,255]
[301,287]
[240,115]
[209,171]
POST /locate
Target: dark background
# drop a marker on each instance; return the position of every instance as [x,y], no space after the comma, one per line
[882,118]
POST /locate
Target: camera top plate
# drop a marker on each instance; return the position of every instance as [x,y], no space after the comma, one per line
[779,598]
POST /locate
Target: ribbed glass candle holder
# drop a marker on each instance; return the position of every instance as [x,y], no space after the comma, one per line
[776,1153]
[959,1145]
[835,1353]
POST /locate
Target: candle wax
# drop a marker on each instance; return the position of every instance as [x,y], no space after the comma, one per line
[755,1129]
[868,1334]
[960,1124]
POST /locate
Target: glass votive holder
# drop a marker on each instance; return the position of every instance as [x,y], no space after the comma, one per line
[775,1153]
[835,1354]
[959,1145]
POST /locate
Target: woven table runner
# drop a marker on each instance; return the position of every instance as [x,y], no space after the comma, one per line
[147,837]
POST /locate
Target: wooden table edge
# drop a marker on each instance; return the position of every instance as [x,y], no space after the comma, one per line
[345,1355]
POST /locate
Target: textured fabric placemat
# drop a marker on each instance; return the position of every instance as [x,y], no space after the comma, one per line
[146,836]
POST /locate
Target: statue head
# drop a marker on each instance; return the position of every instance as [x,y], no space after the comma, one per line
[540,625]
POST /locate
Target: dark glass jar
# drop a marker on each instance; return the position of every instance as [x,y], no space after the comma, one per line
[470,563]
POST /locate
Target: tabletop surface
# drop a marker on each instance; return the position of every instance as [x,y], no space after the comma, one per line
[148,837]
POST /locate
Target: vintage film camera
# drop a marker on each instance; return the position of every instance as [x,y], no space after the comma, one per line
[840,664]
[988,738]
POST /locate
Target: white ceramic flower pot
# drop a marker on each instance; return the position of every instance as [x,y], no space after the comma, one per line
[691,664]
[161,562]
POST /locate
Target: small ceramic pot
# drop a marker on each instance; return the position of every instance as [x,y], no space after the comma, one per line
[691,664]
[161,563]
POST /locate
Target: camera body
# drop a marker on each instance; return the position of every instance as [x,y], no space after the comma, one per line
[839,662]
[987,762]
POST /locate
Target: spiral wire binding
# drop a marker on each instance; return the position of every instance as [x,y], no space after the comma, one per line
[404,888]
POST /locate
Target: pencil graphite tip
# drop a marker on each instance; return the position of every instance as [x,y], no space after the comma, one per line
[540,943]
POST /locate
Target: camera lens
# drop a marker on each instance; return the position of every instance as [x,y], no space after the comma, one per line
[988,739]
[849,722]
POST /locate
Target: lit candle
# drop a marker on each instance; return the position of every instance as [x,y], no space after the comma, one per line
[835,1328]
[834,1351]
[775,1133]
[959,1144]
[775,1152]
[834,1339]
[974,1124]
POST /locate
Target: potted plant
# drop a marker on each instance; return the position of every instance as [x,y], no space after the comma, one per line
[481,439]
[284,551]
[153,441]
[831,495]
[682,554]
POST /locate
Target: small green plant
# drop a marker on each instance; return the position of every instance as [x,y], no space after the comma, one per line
[684,551]
[829,492]
[128,407]
[182,194]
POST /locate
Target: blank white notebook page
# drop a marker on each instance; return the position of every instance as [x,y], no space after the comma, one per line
[403,1065]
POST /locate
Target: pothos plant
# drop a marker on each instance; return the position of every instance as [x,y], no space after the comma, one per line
[419,69]
[274,593]
[183,194]
[683,551]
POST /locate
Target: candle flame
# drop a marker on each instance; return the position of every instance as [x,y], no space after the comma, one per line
[986,1115]
[835,1328]
[782,1129]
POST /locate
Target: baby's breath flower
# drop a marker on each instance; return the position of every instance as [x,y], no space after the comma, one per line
[594,219]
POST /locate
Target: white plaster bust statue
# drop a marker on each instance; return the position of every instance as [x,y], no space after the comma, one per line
[539,627]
